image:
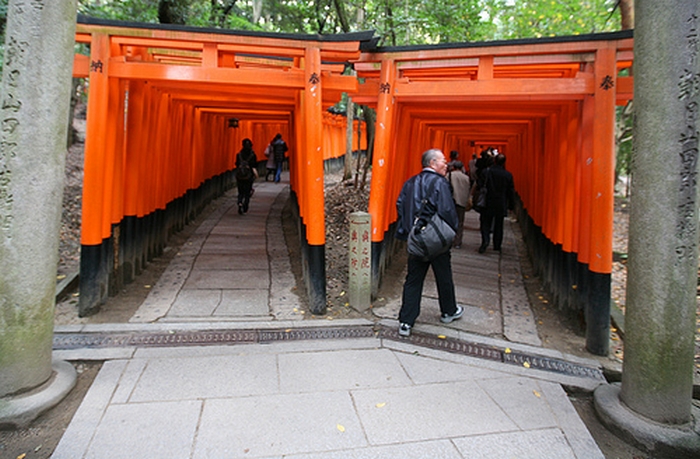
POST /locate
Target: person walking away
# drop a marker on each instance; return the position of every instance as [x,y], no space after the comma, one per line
[270,164]
[499,199]
[279,148]
[460,194]
[472,169]
[454,157]
[408,205]
[246,173]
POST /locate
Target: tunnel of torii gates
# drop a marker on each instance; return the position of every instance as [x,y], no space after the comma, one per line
[168,107]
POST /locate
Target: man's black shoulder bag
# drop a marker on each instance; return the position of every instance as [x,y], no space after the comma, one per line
[430,235]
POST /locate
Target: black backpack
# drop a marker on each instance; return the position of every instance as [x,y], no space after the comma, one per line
[244,172]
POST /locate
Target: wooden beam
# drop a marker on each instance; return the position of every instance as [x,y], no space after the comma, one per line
[532,87]
[254,77]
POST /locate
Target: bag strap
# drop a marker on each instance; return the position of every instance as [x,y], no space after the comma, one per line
[424,201]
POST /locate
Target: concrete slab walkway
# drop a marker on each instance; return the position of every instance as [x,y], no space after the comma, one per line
[217,363]
[362,398]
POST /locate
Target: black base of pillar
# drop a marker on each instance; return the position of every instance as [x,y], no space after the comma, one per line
[382,255]
[598,315]
[316,278]
[574,288]
[313,264]
[128,249]
[135,241]
[94,278]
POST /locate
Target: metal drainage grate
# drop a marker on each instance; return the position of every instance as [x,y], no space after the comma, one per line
[315,333]
[496,354]
[66,341]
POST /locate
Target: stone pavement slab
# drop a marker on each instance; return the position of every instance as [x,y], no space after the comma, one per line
[276,425]
[351,369]
[542,444]
[206,377]
[443,449]
[146,430]
[228,279]
[343,398]
[429,412]
[223,261]
[244,303]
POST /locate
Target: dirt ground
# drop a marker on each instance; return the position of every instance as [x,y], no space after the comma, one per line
[556,331]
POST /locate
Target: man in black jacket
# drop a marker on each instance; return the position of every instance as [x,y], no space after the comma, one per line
[279,148]
[407,206]
[499,198]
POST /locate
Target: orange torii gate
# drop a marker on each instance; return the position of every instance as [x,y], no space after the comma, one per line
[168,107]
[549,105]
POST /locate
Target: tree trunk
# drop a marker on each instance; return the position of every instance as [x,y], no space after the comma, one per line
[342,17]
[257,10]
[173,11]
[370,118]
[348,140]
[627,14]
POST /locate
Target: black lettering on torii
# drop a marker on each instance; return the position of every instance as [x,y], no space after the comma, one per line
[607,83]
[96,66]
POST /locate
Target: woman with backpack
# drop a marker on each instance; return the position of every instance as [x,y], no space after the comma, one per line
[246,173]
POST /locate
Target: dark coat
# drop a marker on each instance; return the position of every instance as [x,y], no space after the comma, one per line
[410,198]
[279,148]
[500,196]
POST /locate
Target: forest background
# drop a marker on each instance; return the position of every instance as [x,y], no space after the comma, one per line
[396,22]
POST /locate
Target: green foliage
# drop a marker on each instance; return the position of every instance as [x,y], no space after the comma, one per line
[398,22]
[544,18]
[121,10]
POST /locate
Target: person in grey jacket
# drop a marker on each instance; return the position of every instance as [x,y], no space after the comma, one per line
[407,206]
[461,189]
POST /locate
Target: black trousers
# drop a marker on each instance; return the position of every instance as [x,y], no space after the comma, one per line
[491,219]
[413,287]
[244,189]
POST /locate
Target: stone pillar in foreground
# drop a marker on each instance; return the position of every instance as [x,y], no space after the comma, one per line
[654,404]
[360,261]
[36,85]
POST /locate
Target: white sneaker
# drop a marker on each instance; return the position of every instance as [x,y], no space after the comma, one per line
[404,330]
[446,319]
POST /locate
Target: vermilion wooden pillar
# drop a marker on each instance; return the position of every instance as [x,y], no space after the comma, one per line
[381,168]
[132,183]
[93,270]
[602,202]
[312,181]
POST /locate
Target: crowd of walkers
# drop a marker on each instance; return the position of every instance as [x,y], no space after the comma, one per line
[446,189]
[485,175]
